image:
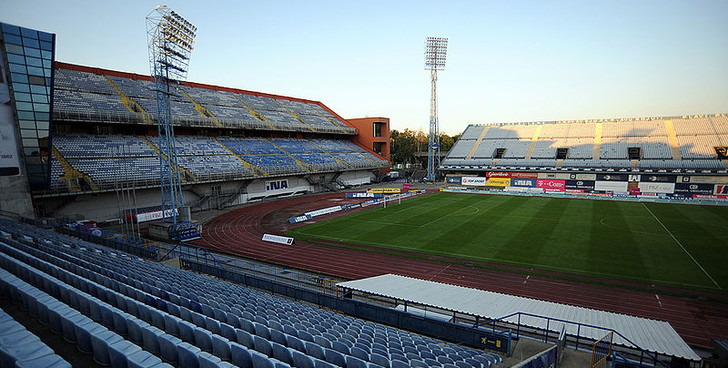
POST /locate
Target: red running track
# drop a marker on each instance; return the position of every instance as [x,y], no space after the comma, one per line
[239,232]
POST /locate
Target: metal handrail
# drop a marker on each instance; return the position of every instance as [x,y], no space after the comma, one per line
[578,333]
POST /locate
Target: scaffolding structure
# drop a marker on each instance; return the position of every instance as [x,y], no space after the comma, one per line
[435,55]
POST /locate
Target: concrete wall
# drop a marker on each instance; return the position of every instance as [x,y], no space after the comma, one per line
[14,195]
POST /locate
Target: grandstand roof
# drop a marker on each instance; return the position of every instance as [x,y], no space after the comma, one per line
[651,335]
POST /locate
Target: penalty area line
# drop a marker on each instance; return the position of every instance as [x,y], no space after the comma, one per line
[681,246]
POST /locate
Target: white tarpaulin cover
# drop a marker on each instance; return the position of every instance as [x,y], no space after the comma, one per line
[651,335]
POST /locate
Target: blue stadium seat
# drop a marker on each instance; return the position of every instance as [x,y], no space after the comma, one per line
[168,348]
[188,355]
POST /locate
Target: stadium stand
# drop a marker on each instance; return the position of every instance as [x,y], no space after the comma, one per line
[123,309]
[105,161]
[18,346]
[669,143]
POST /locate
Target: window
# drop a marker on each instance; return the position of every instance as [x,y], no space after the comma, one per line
[378,129]
[377,147]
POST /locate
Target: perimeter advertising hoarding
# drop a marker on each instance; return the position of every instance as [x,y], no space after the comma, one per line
[656,187]
[385,190]
[9,160]
[523,182]
[684,188]
[508,174]
[585,185]
[454,179]
[498,182]
[703,179]
[657,178]
[721,189]
[549,185]
[612,177]
[611,186]
[473,181]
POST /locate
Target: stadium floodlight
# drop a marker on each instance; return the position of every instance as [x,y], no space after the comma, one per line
[435,56]
[171,40]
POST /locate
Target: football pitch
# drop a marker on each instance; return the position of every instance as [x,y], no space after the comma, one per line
[656,243]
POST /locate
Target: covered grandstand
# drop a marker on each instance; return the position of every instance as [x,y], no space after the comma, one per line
[677,144]
[232,145]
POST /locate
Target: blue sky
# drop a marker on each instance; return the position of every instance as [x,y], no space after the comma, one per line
[508,61]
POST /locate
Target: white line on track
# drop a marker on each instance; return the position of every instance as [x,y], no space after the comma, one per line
[658,300]
[681,246]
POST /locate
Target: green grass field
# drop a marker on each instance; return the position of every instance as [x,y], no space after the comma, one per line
[659,243]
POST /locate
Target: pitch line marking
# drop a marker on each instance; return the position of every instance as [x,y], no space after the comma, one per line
[681,246]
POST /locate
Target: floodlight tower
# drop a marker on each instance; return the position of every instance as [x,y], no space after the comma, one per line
[435,53]
[171,40]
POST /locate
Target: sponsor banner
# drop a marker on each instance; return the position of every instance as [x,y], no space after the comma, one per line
[453,179]
[685,188]
[497,174]
[559,176]
[297,219]
[351,206]
[656,187]
[323,211]
[154,215]
[549,185]
[363,195]
[611,186]
[505,174]
[276,185]
[384,190]
[574,191]
[703,179]
[473,181]
[721,189]
[703,196]
[612,177]
[523,182]
[498,182]
[278,239]
[524,175]
[657,178]
[580,184]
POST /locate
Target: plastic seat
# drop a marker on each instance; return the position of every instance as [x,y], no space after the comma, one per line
[282,353]
[84,333]
[208,360]
[263,346]
[278,336]
[301,360]
[245,338]
[186,331]
[354,362]
[134,328]
[261,361]
[168,348]
[46,361]
[120,352]
[187,354]
[261,330]
[335,357]
[314,350]
[203,339]
[379,359]
[400,364]
[220,347]
[100,343]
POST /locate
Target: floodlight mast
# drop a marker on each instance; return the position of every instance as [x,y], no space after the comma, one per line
[435,55]
[171,40]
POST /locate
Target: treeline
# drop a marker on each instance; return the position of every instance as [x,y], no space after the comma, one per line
[407,143]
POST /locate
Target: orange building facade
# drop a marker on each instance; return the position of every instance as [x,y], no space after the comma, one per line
[373,135]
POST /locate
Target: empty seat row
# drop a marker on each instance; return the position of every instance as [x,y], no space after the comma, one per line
[218,318]
[18,346]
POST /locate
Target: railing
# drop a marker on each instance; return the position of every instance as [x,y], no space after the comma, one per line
[550,330]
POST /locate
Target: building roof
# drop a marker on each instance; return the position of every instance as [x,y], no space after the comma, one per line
[651,335]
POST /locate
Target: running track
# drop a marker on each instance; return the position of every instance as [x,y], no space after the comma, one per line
[239,232]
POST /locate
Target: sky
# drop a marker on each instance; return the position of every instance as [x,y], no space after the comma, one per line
[507,61]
